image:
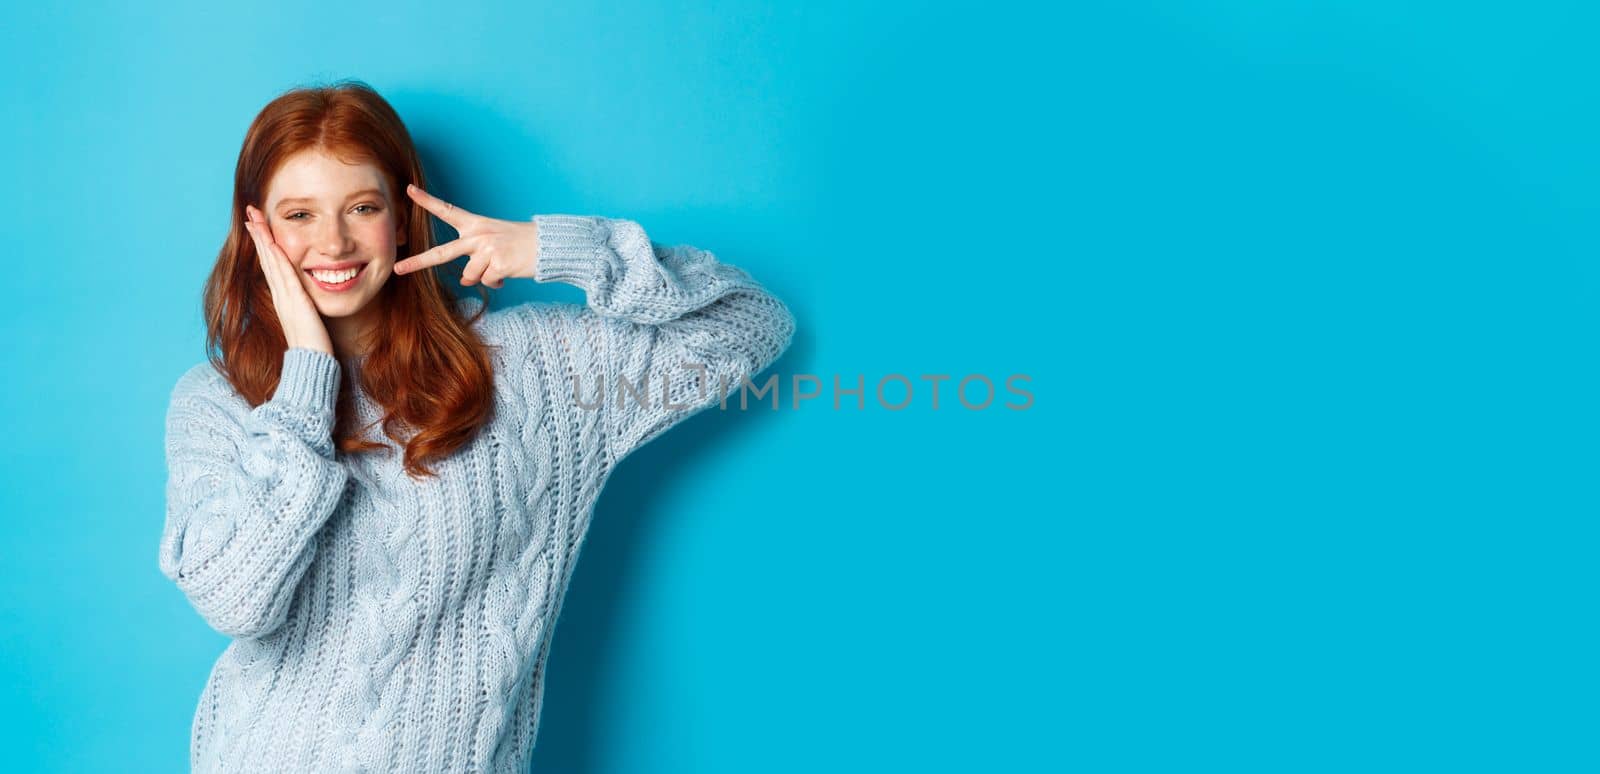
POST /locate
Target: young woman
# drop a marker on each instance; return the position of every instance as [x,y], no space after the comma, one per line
[379,491]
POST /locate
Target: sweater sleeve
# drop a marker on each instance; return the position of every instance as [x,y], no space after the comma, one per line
[247,489]
[671,329]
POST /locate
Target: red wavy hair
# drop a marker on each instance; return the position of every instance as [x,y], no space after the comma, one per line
[428,369]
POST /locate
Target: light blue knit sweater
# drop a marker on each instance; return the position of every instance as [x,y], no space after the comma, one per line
[382,623]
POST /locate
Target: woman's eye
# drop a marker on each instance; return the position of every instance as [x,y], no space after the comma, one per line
[296,215]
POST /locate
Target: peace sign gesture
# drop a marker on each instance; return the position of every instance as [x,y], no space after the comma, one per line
[499,248]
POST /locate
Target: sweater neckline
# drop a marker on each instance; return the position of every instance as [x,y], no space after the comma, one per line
[351,364]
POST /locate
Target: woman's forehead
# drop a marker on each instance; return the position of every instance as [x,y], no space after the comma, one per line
[315,175]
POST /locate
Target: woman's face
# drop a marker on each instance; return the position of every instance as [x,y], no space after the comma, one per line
[327,214]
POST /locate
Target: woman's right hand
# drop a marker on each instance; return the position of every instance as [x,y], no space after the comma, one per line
[302,323]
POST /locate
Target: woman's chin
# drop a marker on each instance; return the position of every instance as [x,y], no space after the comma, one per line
[338,307]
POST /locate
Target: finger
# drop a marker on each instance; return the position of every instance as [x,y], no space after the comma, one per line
[262,237]
[263,253]
[258,228]
[492,276]
[474,270]
[250,228]
[274,263]
[442,209]
[264,259]
[444,253]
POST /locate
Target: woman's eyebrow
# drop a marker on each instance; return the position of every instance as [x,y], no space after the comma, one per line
[362,192]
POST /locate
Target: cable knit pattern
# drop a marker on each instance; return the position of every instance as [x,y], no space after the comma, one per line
[383,623]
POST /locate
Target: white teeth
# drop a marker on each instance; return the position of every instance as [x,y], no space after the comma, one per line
[335,277]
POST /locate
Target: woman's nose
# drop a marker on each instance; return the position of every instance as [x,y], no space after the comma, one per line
[334,240]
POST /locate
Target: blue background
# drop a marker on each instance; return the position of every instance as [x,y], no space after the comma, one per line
[1306,292]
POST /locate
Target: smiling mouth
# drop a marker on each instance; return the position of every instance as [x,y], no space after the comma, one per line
[334,287]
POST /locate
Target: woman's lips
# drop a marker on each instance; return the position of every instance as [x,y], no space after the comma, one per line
[342,286]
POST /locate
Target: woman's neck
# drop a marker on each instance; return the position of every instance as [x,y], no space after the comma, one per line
[347,333]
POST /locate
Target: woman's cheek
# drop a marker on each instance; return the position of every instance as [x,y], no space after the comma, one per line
[382,240]
[295,250]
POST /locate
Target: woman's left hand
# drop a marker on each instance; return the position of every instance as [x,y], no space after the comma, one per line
[499,248]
